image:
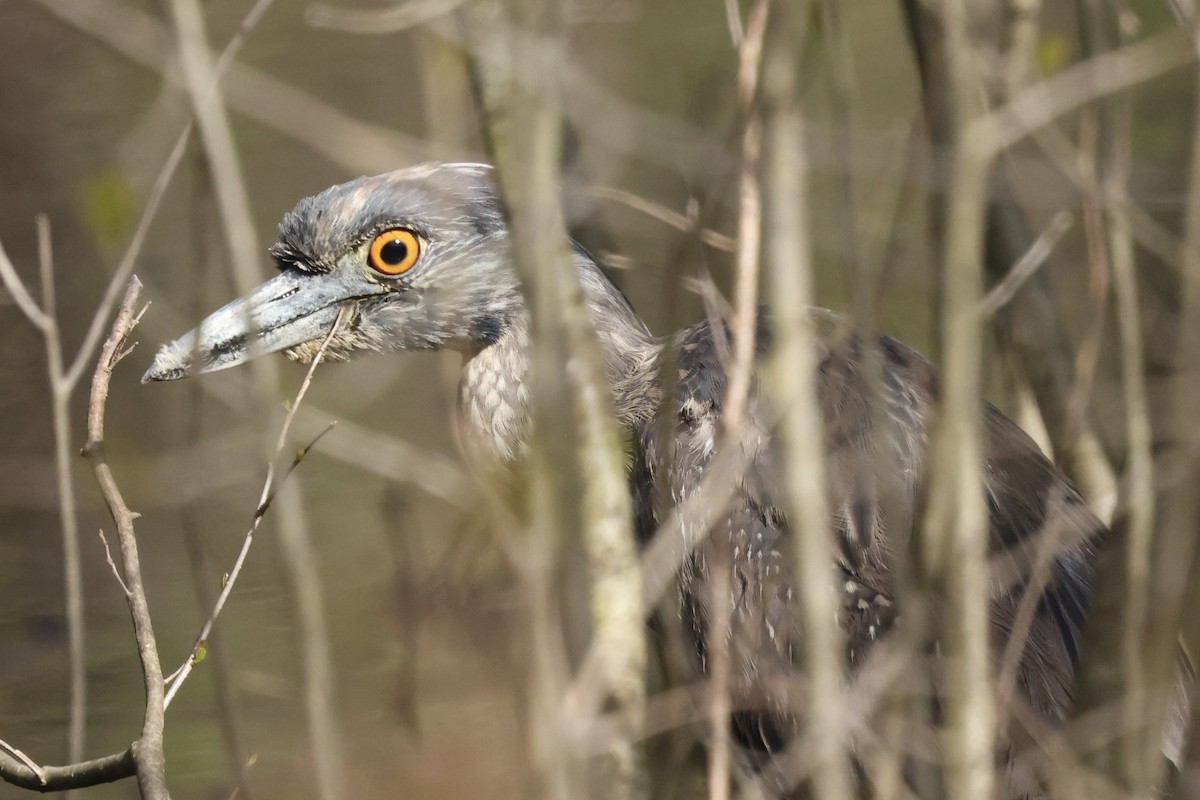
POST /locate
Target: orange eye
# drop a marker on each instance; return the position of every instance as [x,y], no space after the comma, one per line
[394,251]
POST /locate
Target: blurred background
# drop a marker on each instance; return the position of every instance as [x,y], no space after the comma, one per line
[387,588]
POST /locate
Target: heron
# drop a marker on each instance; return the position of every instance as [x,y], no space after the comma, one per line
[419,259]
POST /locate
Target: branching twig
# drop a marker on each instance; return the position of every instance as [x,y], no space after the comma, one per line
[26,760]
[266,497]
[112,564]
[147,750]
[74,776]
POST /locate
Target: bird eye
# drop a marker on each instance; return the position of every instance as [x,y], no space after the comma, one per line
[394,251]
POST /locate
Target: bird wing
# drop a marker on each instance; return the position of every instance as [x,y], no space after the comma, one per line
[875,460]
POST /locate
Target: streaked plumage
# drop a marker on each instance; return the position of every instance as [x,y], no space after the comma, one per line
[463,294]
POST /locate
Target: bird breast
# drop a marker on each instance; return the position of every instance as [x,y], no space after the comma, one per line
[494,403]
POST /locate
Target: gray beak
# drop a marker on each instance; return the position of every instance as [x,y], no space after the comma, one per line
[290,309]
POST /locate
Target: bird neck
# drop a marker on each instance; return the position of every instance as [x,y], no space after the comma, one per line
[494,390]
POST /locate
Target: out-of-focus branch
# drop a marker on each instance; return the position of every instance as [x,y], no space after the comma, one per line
[1139,500]
[518,62]
[1117,643]
[793,377]
[351,143]
[376,22]
[1004,291]
[1179,553]
[743,326]
[1107,73]
[201,80]
[953,536]
[678,221]
[147,750]
[520,59]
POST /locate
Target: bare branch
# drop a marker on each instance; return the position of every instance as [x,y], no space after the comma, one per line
[953,536]
[112,564]
[399,17]
[1024,269]
[147,750]
[743,326]
[1105,74]
[265,499]
[26,760]
[794,377]
[75,776]
[203,89]
[20,295]
[680,222]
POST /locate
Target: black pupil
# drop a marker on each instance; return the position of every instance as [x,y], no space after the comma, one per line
[394,252]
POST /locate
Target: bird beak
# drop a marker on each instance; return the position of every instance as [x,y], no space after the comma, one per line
[290,309]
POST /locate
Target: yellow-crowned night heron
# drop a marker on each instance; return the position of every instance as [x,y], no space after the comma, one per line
[420,259]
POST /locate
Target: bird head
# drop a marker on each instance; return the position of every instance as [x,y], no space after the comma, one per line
[416,259]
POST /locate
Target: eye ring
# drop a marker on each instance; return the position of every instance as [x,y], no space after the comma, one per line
[394,251]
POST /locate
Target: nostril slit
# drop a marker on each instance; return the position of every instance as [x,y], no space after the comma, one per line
[224,347]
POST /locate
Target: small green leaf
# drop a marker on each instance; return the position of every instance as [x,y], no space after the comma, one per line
[107,204]
[201,652]
[1051,53]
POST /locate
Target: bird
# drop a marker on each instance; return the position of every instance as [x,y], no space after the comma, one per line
[419,259]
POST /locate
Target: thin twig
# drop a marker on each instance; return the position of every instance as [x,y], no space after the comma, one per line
[60,403]
[20,295]
[744,330]
[26,760]
[1140,502]
[234,45]
[680,222]
[1024,269]
[743,326]
[148,749]
[112,564]
[733,20]
[376,22]
[266,497]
